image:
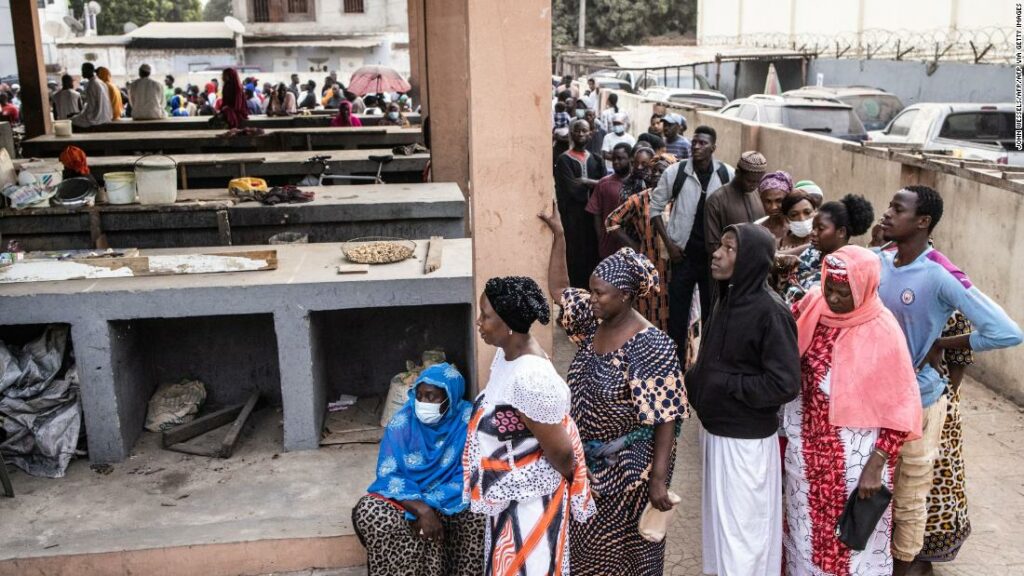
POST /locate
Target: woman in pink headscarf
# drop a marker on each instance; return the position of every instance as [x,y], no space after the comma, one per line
[859,402]
[233,108]
[345,118]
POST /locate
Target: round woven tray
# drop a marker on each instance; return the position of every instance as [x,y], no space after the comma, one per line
[378,250]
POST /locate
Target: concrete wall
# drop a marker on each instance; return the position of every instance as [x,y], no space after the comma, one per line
[731,18]
[379,16]
[910,81]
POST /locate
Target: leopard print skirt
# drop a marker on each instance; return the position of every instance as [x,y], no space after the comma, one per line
[948,524]
[393,550]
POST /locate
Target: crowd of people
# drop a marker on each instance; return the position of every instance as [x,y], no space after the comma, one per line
[98,100]
[822,372]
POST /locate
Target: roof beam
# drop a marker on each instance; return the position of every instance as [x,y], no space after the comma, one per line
[28,48]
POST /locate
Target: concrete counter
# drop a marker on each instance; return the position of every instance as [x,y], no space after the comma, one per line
[207,217]
[321,333]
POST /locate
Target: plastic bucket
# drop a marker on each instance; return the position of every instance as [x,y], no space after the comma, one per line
[62,128]
[120,187]
[156,179]
[46,173]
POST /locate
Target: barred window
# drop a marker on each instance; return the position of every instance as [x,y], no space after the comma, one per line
[354,7]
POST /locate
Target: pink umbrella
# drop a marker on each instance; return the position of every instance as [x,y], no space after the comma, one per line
[376,80]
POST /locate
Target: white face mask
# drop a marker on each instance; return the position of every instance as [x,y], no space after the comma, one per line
[619,129]
[802,228]
[428,413]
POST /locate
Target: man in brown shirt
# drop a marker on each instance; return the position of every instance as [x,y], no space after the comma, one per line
[736,202]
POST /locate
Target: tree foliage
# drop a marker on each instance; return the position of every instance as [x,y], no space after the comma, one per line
[116,13]
[216,10]
[618,22]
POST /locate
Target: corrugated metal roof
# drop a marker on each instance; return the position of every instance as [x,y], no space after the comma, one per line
[175,30]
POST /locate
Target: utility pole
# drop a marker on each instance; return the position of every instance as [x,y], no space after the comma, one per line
[582,39]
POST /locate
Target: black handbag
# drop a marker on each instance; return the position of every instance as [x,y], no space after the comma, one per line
[860,517]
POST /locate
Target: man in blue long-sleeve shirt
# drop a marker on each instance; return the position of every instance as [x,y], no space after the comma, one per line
[922,288]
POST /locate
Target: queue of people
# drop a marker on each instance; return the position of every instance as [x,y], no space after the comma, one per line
[97,100]
[826,374]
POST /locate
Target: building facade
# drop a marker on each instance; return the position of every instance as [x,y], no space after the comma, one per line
[320,36]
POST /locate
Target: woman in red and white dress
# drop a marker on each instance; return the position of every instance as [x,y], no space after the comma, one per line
[858,403]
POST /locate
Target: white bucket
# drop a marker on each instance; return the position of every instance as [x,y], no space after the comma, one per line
[120,187]
[62,128]
[46,173]
[156,180]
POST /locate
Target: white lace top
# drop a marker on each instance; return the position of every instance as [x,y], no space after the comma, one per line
[531,385]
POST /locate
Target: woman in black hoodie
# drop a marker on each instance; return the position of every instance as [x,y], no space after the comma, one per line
[748,367]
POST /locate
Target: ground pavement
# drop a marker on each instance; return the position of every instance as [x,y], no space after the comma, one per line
[994,447]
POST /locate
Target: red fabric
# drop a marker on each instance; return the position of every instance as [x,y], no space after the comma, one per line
[826,494]
[10,113]
[233,106]
[605,198]
[73,158]
[873,380]
[345,118]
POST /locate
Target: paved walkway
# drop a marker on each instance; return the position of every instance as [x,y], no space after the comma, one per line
[994,448]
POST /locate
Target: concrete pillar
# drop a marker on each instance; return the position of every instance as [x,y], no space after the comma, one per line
[418,55]
[112,426]
[303,390]
[509,49]
[28,48]
[446,44]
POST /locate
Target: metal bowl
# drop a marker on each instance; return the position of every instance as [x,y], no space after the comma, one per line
[378,250]
[74,192]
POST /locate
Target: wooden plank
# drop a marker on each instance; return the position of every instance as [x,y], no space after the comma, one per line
[200,425]
[139,265]
[435,251]
[223,227]
[269,255]
[227,447]
[28,50]
[353,268]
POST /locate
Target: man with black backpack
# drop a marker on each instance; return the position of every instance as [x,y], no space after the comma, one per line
[685,186]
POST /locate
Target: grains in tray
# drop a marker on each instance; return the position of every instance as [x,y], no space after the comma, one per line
[378,252]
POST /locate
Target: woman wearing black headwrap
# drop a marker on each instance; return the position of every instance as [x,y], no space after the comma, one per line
[629,401]
[523,415]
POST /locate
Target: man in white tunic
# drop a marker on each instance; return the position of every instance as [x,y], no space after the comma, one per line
[97,100]
[748,367]
[146,96]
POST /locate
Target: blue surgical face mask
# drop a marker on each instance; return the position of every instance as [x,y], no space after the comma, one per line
[581,113]
[619,129]
[393,115]
[428,413]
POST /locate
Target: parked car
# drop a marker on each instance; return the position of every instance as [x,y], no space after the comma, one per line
[875,107]
[708,98]
[810,115]
[974,131]
[603,83]
[647,79]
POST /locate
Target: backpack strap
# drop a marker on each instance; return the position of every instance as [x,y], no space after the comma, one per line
[677,184]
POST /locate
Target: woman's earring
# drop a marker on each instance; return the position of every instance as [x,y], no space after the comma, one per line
[509,332]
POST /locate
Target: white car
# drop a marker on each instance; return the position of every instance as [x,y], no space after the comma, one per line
[708,98]
[971,131]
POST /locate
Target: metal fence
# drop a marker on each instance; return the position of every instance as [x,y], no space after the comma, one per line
[992,45]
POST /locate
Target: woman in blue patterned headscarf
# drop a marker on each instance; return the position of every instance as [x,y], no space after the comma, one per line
[413,521]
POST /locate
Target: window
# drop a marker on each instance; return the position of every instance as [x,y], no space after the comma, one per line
[354,7]
[731,110]
[261,11]
[979,126]
[298,6]
[748,112]
[902,123]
